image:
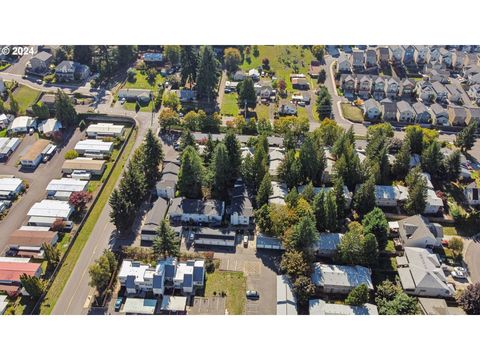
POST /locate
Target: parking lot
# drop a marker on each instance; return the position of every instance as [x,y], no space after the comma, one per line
[37,181]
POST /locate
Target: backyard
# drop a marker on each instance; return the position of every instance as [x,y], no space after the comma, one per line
[26,97]
[233,284]
[141,81]
[229,105]
[351,112]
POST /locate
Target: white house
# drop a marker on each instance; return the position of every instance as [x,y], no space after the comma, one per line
[340,279]
[390,196]
[10,187]
[321,307]
[241,208]
[61,189]
[371,109]
[471,193]
[434,204]
[196,211]
[279,191]
[286,302]
[51,209]
[105,130]
[94,148]
[50,126]
[421,274]
[405,112]
[327,244]
[268,242]
[22,124]
[8,146]
[417,231]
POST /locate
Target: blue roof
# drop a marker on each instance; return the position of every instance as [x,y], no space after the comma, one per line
[157,281]
[130,282]
[152,57]
[169,271]
[188,280]
[198,274]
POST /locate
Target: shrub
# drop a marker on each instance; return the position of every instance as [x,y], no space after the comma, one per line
[71,154]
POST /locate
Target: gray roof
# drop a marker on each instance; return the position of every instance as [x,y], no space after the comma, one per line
[437,108]
[321,307]
[371,103]
[195,206]
[210,233]
[403,106]
[328,241]
[155,215]
[341,275]
[171,168]
[389,106]
[416,227]
[43,56]
[419,107]
[242,206]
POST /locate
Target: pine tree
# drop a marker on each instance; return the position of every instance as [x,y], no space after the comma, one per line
[452,166]
[209,150]
[401,165]
[348,167]
[187,139]
[364,198]
[189,62]
[292,198]
[465,139]
[234,155]
[152,158]
[432,159]
[319,210]
[51,254]
[263,219]
[339,197]
[132,184]
[376,223]
[32,285]
[190,176]
[303,235]
[165,243]
[83,54]
[417,192]
[369,250]
[122,211]
[290,169]
[358,296]
[247,94]
[414,135]
[207,76]
[65,111]
[264,191]
[308,192]
[219,171]
[313,161]
[331,215]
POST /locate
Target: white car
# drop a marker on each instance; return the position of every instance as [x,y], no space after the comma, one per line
[459,273]
[122,101]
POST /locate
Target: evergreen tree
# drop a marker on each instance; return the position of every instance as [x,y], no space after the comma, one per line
[323,103]
[52,255]
[417,192]
[248,173]
[263,219]
[340,200]
[313,161]
[328,132]
[364,198]
[350,248]
[165,243]
[13,105]
[358,296]
[376,223]
[234,155]
[303,235]
[219,172]
[432,159]
[190,176]
[65,111]
[133,185]
[264,191]
[122,210]
[152,152]
[452,166]
[172,53]
[331,216]
[414,135]
[126,54]
[246,94]
[465,139]
[41,110]
[319,211]
[187,139]
[189,62]
[83,54]
[32,285]
[401,165]
[348,167]
[102,270]
[292,198]
[308,192]
[260,164]
[209,150]
[290,169]
[369,250]
[207,76]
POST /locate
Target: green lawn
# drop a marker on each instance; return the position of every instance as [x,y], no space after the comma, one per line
[82,238]
[4,66]
[263,111]
[284,60]
[3,133]
[131,106]
[141,82]
[26,97]
[229,104]
[233,284]
[449,230]
[351,112]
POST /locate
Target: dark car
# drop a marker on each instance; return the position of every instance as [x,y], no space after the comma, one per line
[118,304]
[253,294]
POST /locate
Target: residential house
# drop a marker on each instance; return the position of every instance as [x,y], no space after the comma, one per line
[215,237]
[2,86]
[139,306]
[432,306]
[186,95]
[364,87]
[439,74]
[474,93]
[340,279]
[50,127]
[417,231]
[474,79]
[370,57]
[40,63]
[327,244]
[167,184]
[441,92]
[405,112]
[68,71]
[10,273]
[439,114]
[102,130]
[446,57]
[423,54]
[5,119]
[371,109]
[407,88]
[268,242]
[455,95]
[22,124]
[279,191]
[379,88]
[473,114]
[300,83]
[196,211]
[29,243]
[389,109]
[10,187]
[421,274]
[472,194]
[314,70]
[84,165]
[8,146]
[457,115]
[142,96]
[344,64]
[393,88]
[383,55]
[390,196]
[434,53]
[409,54]
[460,60]
[173,305]
[254,74]
[286,302]
[239,75]
[358,57]
[153,219]
[425,91]
[34,154]
[47,208]
[152,58]
[321,307]
[241,209]
[397,53]
[61,189]
[348,84]
[93,148]
[422,115]
[434,204]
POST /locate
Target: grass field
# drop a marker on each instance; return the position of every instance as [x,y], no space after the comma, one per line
[82,238]
[3,133]
[26,97]
[229,104]
[131,106]
[141,82]
[233,284]
[351,112]
[263,111]
[284,60]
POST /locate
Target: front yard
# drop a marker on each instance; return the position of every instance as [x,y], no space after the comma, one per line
[233,284]
[351,112]
[229,105]
[141,81]
[26,97]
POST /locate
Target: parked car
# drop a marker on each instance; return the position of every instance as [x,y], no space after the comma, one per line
[245,241]
[459,273]
[253,294]
[118,303]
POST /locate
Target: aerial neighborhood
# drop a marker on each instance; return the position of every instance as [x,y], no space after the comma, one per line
[240,180]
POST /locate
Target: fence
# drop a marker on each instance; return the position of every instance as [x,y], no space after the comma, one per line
[121,119]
